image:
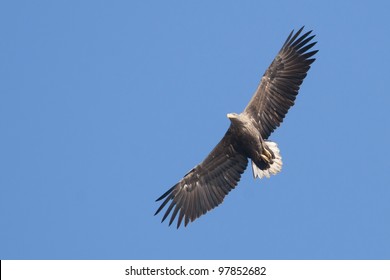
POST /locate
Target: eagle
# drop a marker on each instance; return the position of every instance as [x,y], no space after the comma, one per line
[205,186]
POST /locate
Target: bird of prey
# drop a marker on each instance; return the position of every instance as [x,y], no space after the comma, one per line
[205,186]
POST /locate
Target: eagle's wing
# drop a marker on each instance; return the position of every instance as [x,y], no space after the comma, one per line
[206,185]
[280,83]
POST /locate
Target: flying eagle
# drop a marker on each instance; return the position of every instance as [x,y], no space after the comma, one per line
[205,186]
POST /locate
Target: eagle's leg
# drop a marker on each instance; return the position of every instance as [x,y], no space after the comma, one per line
[265,158]
[267,154]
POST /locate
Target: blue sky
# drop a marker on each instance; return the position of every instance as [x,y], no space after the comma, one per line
[104,105]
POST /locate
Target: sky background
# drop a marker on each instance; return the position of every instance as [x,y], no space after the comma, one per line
[104,105]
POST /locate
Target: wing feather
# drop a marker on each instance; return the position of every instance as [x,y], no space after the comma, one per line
[206,185]
[281,82]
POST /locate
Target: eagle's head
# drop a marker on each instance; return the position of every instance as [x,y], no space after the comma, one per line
[237,119]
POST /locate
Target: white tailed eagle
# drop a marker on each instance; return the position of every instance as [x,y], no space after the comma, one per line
[205,186]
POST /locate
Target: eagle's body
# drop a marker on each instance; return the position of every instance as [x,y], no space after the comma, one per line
[264,154]
[206,185]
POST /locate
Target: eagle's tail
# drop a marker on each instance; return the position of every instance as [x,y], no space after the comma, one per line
[268,166]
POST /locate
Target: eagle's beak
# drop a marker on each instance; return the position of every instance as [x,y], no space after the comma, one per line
[231,116]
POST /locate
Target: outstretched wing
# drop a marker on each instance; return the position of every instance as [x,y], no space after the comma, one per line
[206,185]
[280,83]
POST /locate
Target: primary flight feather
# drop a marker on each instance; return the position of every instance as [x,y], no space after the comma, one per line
[205,186]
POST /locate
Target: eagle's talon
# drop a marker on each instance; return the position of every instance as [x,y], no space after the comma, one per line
[268,154]
[265,158]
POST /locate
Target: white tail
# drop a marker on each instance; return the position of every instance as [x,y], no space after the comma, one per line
[274,168]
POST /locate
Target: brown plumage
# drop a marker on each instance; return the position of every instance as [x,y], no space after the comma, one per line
[206,185]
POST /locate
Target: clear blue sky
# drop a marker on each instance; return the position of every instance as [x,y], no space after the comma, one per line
[104,105]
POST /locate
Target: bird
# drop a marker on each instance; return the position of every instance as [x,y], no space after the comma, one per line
[205,186]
